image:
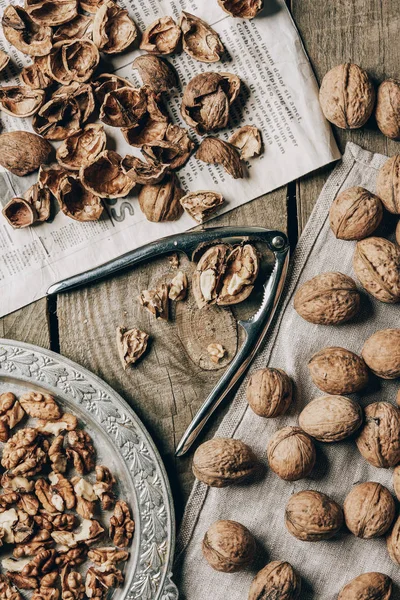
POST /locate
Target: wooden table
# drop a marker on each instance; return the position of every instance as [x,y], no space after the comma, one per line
[168,386]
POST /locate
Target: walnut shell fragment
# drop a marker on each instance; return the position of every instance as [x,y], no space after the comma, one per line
[131,344]
[78,28]
[291,454]
[269,392]
[50,13]
[144,173]
[199,40]
[105,177]
[247,140]
[59,118]
[19,213]
[24,34]
[73,60]
[331,418]
[374,586]
[381,352]
[347,96]
[124,107]
[156,301]
[76,201]
[223,461]
[161,202]
[338,371]
[376,263]
[201,205]
[155,72]
[277,580]
[217,152]
[387,111]
[36,75]
[388,184]
[20,101]
[113,29]
[161,37]
[174,150]
[369,510]
[82,147]
[312,516]
[228,546]
[90,6]
[107,82]
[355,214]
[379,439]
[243,9]
[22,152]
[39,198]
[4,60]
[81,94]
[327,299]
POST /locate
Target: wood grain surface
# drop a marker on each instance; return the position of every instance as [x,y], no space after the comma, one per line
[170,384]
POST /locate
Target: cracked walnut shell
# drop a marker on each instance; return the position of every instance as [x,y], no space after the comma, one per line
[156,73]
[387,111]
[327,299]
[59,118]
[269,392]
[376,263]
[50,13]
[82,147]
[379,438]
[161,202]
[104,176]
[217,152]
[243,9]
[228,546]
[27,36]
[338,371]
[312,516]
[223,461]
[199,40]
[355,214]
[369,510]
[388,184]
[381,352]
[202,204]
[161,37]
[347,96]
[331,418]
[113,29]
[73,60]
[76,201]
[19,213]
[277,580]
[247,140]
[368,586]
[131,344]
[291,454]
[20,101]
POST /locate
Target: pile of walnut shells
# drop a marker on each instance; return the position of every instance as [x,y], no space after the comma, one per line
[65,89]
[51,519]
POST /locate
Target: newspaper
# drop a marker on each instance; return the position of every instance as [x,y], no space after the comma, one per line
[279,95]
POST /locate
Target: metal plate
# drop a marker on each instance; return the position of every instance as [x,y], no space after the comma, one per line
[123,444]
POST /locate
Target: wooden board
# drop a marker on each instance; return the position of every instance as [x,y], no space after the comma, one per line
[29,324]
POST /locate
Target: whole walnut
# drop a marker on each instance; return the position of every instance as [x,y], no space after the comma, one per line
[269,392]
[376,264]
[396,481]
[223,461]
[161,202]
[388,184]
[355,214]
[379,439]
[311,516]
[338,371]
[393,542]
[387,112]
[381,352]
[327,299]
[398,233]
[369,510]
[276,581]
[368,586]
[228,546]
[331,418]
[347,96]
[291,453]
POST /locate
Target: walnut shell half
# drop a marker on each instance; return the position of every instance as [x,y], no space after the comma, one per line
[50,13]
[161,37]
[113,29]
[338,371]
[77,202]
[387,110]
[269,392]
[331,418]
[202,204]
[388,184]
[199,40]
[223,461]
[214,151]
[376,264]
[355,214]
[381,352]
[379,438]
[243,9]
[248,141]
[20,101]
[311,516]
[291,453]
[82,147]
[371,586]
[228,546]
[19,213]
[155,72]
[73,60]
[105,178]
[24,34]
[369,510]
[277,580]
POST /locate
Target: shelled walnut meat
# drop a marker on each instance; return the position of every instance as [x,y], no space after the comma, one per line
[369,510]
[312,516]
[228,546]
[379,439]
[355,214]
[331,418]
[223,461]
[373,586]
[291,453]
[376,264]
[338,371]
[277,580]
[131,344]
[269,392]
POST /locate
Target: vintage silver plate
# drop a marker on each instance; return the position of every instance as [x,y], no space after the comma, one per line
[123,444]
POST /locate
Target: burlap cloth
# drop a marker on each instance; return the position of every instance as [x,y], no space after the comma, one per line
[324,566]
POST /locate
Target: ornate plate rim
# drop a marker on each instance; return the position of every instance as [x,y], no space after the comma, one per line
[29,363]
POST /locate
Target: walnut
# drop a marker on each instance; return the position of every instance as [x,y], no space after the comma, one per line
[49,13]
[8,519]
[104,176]
[17,484]
[22,152]
[122,525]
[22,581]
[113,29]
[161,37]
[369,510]
[393,542]
[387,111]
[85,497]
[327,299]
[108,576]
[20,101]
[23,529]
[376,264]
[55,521]
[228,546]
[7,498]
[72,587]
[355,214]
[46,592]
[161,202]
[76,201]
[36,75]
[57,455]
[25,453]
[269,392]
[156,301]
[143,172]
[217,152]
[73,60]
[108,555]
[207,99]
[381,352]
[124,107]
[66,422]
[156,73]
[11,413]
[73,556]
[27,36]
[347,96]
[81,450]
[93,588]
[277,580]
[311,516]
[49,500]
[19,214]
[103,487]
[199,40]
[7,590]
[247,140]
[388,184]
[223,461]
[379,439]
[338,371]
[375,586]
[29,504]
[216,352]
[89,533]
[178,287]
[79,27]
[82,147]
[63,490]
[39,198]
[40,406]
[40,541]
[131,344]
[201,205]
[291,454]
[243,9]
[331,418]
[41,564]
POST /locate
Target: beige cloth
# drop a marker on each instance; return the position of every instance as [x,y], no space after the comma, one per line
[324,566]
